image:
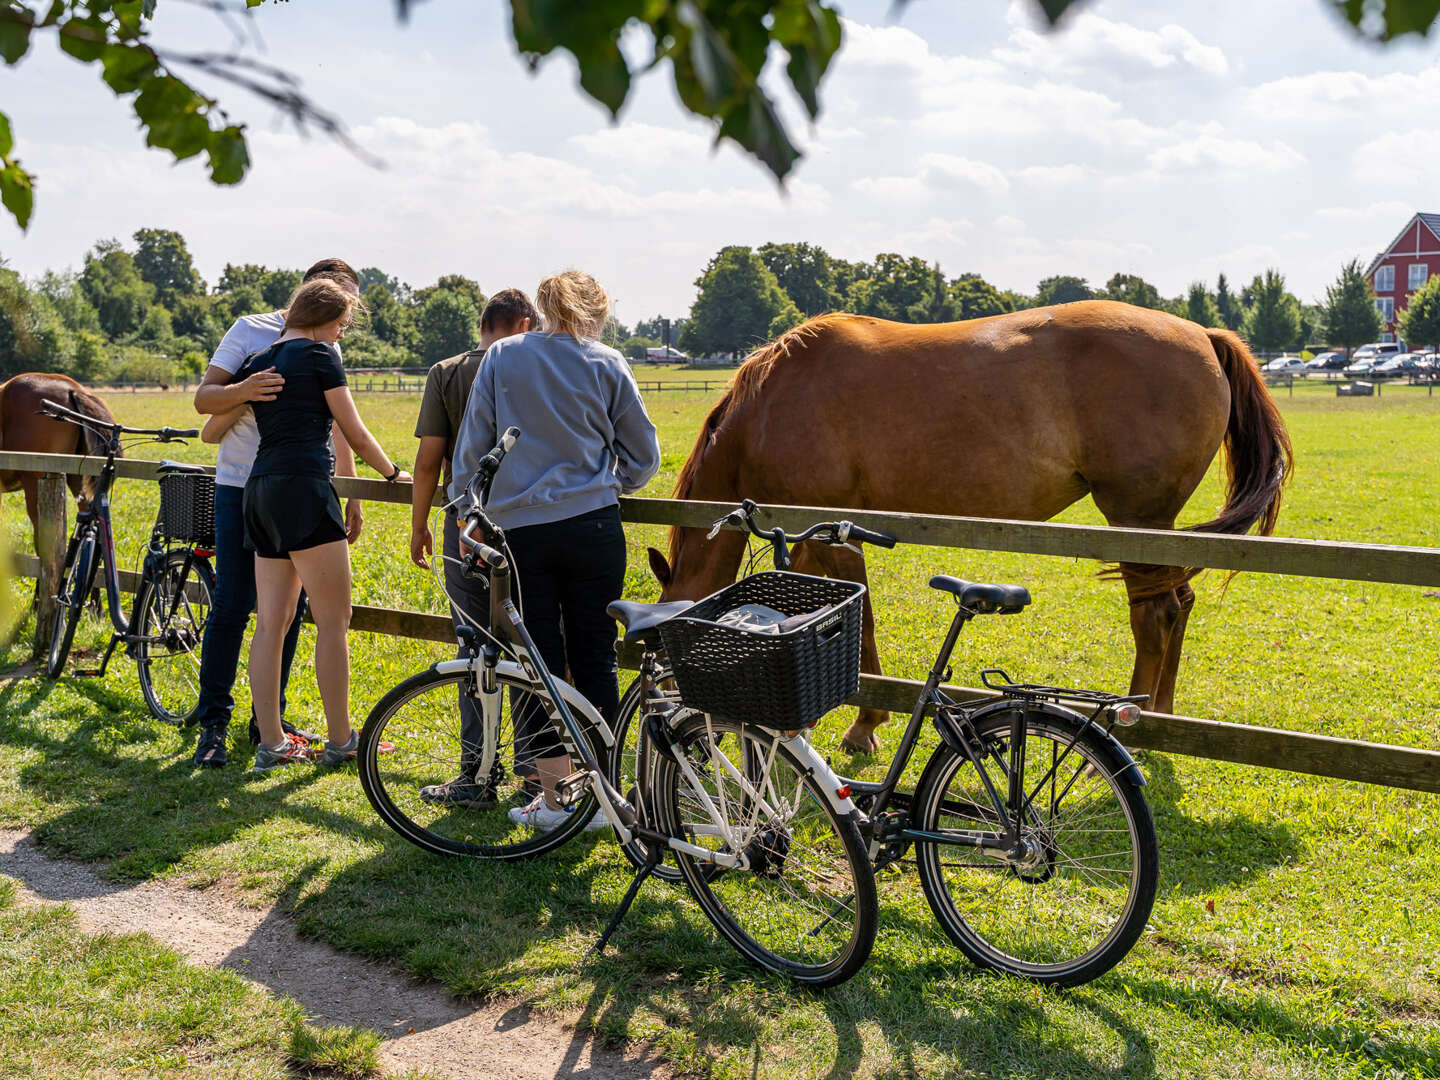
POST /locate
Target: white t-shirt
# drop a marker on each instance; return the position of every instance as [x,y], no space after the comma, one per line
[250,334]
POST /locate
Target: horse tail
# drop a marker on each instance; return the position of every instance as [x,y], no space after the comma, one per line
[87,442]
[1258,455]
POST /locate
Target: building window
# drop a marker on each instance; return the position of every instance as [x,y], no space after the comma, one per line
[1385,279]
[1419,274]
[1386,306]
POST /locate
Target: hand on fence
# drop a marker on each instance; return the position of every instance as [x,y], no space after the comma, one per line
[354,519]
[422,547]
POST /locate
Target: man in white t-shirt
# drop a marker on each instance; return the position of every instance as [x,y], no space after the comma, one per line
[234,597]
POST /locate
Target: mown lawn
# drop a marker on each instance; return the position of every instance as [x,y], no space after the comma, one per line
[114,1005]
[1295,933]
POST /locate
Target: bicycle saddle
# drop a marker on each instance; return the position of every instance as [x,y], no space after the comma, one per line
[984,599]
[642,621]
[180,467]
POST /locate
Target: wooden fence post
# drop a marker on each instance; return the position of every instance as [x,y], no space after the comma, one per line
[50,537]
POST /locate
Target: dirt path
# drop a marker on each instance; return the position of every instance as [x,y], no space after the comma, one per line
[425,1028]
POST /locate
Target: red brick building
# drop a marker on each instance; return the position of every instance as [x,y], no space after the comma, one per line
[1404,267]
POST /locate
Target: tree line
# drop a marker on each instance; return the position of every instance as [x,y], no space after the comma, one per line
[746,296]
[143,313]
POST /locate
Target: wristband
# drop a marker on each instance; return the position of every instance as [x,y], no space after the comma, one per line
[394,474]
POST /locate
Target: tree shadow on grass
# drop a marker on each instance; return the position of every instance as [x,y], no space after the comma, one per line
[1199,856]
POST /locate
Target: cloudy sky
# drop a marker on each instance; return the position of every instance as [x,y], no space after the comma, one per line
[1173,141]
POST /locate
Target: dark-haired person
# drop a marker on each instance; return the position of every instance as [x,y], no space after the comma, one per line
[234,597]
[442,408]
[293,520]
[586,438]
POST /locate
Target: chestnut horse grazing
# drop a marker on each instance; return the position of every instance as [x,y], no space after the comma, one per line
[23,429]
[1013,416]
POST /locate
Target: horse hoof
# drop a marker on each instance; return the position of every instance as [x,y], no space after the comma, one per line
[859,743]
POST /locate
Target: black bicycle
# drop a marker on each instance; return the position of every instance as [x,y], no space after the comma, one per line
[1035,846]
[166,622]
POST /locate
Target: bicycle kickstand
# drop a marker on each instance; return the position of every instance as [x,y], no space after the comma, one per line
[104,663]
[653,854]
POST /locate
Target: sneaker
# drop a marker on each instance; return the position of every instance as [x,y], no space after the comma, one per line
[291,751]
[463,791]
[539,816]
[340,753]
[210,749]
[288,728]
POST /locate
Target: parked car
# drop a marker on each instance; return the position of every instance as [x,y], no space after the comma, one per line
[1326,361]
[1285,365]
[1362,365]
[1399,364]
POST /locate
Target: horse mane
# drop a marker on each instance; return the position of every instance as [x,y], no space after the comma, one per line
[750,377]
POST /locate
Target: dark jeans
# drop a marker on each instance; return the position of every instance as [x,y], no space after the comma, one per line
[568,572]
[231,605]
[473,596]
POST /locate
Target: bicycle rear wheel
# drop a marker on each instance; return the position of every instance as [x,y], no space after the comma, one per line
[1072,905]
[421,717]
[806,904]
[171,612]
[79,577]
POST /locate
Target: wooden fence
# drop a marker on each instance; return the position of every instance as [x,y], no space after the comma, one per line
[1348,759]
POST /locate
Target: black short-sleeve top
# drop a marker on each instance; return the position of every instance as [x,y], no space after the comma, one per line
[295,427]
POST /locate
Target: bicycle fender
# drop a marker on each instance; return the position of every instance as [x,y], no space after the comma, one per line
[1121,763]
[573,698]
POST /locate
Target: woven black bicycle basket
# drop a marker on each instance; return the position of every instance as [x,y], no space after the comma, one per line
[187,507]
[780,681]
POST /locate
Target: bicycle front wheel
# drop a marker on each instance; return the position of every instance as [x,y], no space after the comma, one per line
[79,577]
[805,904]
[171,612]
[1070,905]
[412,787]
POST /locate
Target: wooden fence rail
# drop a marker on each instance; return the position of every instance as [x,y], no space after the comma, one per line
[1346,759]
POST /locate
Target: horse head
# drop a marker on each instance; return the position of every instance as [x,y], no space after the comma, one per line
[696,567]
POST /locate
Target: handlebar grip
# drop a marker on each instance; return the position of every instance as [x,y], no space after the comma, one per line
[507,441]
[169,434]
[865,535]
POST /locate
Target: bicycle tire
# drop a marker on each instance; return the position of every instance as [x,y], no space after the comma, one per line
[421,718]
[78,577]
[808,864]
[174,697]
[1075,909]
[624,774]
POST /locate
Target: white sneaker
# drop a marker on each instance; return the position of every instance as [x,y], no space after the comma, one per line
[539,816]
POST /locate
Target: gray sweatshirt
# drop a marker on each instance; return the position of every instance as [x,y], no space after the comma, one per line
[584,434]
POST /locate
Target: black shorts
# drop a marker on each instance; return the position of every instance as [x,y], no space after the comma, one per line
[290,513]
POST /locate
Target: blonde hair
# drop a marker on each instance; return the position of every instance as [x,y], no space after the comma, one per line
[573,303]
[318,302]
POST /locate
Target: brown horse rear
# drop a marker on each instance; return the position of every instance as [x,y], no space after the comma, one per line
[1014,416]
[23,429]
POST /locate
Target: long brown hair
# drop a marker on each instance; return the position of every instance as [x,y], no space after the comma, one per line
[319,302]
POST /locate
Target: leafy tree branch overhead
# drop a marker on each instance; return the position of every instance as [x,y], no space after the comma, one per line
[716,51]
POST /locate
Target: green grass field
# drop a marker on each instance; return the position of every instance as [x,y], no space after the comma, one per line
[1295,933]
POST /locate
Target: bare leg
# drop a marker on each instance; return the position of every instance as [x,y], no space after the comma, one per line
[277,591]
[325,572]
[552,770]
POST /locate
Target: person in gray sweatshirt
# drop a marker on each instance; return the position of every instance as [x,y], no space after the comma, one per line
[585,440]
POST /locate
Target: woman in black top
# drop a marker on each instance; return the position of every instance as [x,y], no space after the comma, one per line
[293,519]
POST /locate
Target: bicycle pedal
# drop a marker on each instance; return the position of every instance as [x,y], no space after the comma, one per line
[571,789]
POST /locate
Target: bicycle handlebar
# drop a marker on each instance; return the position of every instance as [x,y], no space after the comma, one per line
[836,533]
[56,411]
[479,489]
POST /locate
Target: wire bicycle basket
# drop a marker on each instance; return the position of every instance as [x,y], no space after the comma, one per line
[785,680]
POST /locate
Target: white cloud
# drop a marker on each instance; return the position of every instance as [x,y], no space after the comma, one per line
[972,108]
[1389,210]
[1055,176]
[1399,156]
[1215,152]
[1320,98]
[1088,43]
[638,142]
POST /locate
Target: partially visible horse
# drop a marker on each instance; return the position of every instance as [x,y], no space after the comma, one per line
[1012,416]
[24,429]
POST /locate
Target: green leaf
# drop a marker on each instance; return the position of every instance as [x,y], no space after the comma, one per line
[605,76]
[229,156]
[1053,9]
[17,192]
[85,39]
[128,66]
[15,26]
[754,125]
[170,111]
[7,140]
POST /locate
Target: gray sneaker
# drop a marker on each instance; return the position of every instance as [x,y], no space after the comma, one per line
[289,753]
[339,753]
[463,791]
